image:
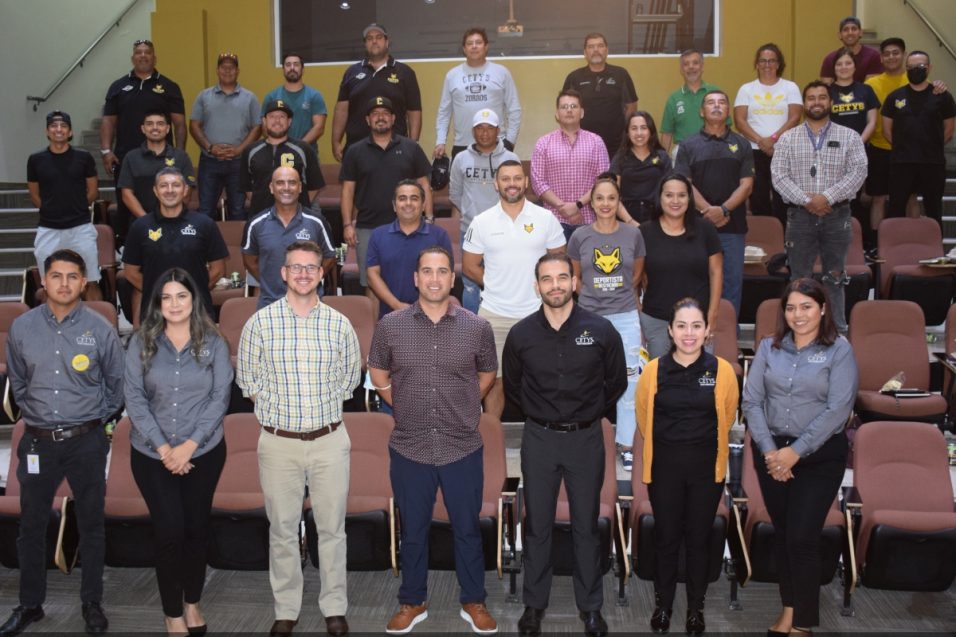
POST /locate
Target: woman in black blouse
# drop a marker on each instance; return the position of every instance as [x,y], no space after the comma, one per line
[639,165]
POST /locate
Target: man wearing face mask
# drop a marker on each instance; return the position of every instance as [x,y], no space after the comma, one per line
[918,122]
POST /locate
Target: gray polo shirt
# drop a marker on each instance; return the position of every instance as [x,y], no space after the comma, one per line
[226,118]
[68,373]
[180,397]
[266,237]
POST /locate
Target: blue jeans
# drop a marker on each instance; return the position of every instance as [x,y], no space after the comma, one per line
[214,175]
[808,236]
[415,486]
[733,246]
[628,325]
[470,293]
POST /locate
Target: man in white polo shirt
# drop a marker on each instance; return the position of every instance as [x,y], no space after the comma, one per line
[501,248]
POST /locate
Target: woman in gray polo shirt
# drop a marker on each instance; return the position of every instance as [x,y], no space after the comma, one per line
[178,379]
[799,394]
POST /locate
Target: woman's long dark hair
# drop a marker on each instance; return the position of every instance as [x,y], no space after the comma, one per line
[691,216]
[815,290]
[653,141]
[153,323]
[688,302]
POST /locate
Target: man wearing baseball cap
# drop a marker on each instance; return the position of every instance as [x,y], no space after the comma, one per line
[866,59]
[62,184]
[260,159]
[472,186]
[378,75]
[224,121]
[370,170]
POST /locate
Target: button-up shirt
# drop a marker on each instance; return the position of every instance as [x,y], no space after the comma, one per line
[299,369]
[66,373]
[180,396]
[804,393]
[566,169]
[834,166]
[573,374]
[434,374]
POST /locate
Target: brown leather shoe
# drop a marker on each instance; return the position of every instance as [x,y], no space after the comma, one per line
[479,618]
[405,619]
[282,627]
[337,626]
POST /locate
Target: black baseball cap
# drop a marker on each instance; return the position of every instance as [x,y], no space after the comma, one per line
[380,102]
[59,116]
[850,20]
[278,105]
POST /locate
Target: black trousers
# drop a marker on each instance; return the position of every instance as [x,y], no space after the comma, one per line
[82,461]
[578,457]
[179,507]
[798,508]
[685,498]
[764,199]
[928,180]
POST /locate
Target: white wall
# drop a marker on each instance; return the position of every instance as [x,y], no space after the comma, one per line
[894,19]
[39,39]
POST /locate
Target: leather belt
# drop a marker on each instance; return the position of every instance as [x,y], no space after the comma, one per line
[564,427]
[60,434]
[304,435]
[838,204]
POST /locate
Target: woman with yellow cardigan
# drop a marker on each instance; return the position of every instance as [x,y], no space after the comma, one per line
[686,403]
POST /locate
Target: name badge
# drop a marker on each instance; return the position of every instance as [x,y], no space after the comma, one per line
[33,463]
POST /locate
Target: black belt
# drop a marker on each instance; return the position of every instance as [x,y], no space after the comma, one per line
[845,202]
[304,435]
[564,427]
[62,433]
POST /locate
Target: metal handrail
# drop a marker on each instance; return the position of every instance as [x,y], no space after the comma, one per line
[922,16]
[37,100]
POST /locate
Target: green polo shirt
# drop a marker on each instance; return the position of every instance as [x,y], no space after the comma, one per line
[682,112]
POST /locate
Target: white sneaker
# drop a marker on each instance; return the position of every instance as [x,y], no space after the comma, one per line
[627,460]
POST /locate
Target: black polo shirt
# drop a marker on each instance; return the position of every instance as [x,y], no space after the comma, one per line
[138,172]
[395,80]
[259,161]
[62,180]
[716,165]
[640,178]
[685,411]
[603,96]
[376,170]
[574,374]
[189,241]
[918,124]
[130,98]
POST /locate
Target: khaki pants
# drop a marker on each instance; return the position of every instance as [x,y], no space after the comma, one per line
[285,467]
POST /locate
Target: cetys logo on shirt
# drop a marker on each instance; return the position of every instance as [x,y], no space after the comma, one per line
[707,380]
[846,97]
[159,89]
[529,228]
[393,78]
[303,235]
[607,263]
[81,362]
[900,103]
[170,161]
[732,147]
[155,235]
[585,339]
[86,339]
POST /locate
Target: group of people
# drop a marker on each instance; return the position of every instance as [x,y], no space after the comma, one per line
[644,227]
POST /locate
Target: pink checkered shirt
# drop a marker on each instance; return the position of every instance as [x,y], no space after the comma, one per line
[568,170]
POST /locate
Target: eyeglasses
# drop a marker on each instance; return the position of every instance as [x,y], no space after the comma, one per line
[148,43]
[767,62]
[569,107]
[298,268]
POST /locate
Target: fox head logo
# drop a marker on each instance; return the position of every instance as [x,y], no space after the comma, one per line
[732,147]
[529,228]
[155,235]
[846,97]
[170,161]
[607,263]
[900,103]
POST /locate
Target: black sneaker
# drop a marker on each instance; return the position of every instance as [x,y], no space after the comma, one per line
[96,622]
[20,618]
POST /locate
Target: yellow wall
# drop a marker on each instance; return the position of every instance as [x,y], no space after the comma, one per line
[189,36]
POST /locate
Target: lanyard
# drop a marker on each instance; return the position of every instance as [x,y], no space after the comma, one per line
[817,145]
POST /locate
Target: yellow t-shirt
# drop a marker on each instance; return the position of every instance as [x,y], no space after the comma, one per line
[883,85]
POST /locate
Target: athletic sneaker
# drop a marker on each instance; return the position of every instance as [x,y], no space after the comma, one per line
[627,459]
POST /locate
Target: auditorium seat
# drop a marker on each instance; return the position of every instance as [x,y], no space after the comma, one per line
[8,313]
[231,232]
[129,529]
[232,318]
[725,337]
[759,284]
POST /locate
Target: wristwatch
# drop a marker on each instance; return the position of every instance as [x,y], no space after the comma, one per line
[579,205]
[429,219]
[105,151]
[725,211]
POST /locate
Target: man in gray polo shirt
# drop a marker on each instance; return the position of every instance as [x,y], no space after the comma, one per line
[65,365]
[269,233]
[224,120]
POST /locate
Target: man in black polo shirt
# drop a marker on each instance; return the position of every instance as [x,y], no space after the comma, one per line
[261,158]
[720,164]
[128,99]
[369,173]
[565,366]
[379,74]
[138,174]
[62,184]
[173,236]
[608,96]
[918,122]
